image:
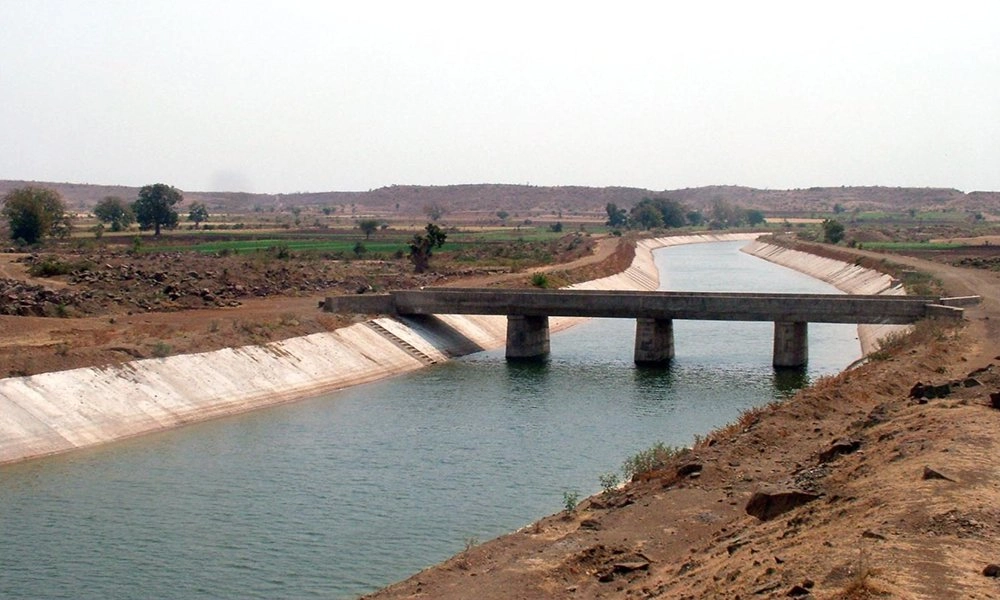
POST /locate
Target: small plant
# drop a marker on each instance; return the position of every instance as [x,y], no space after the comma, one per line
[161,349]
[463,559]
[609,482]
[281,251]
[650,459]
[51,266]
[890,345]
[570,499]
[540,280]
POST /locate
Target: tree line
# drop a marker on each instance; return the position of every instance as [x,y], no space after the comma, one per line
[33,213]
[660,213]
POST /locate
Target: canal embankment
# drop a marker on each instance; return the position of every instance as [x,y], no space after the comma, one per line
[56,412]
[846,277]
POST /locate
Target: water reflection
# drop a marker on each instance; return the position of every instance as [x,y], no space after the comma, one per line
[789,381]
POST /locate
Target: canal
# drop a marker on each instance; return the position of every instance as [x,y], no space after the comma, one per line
[335,496]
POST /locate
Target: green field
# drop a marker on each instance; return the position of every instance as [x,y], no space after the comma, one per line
[386,242]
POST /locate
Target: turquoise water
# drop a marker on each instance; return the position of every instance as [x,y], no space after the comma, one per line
[338,495]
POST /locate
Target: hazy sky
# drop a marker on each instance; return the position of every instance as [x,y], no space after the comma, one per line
[316,96]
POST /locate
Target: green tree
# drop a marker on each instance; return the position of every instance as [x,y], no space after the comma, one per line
[198,213]
[154,208]
[651,213]
[502,215]
[35,212]
[114,211]
[725,215]
[754,217]
[646,215]
[617,217]
[422,246]
[368,226]
[833,231]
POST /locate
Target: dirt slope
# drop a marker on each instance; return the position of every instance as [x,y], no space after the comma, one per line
[901,495]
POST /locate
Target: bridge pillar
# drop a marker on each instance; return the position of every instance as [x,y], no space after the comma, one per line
[527,337]
[791,344]
[654,340]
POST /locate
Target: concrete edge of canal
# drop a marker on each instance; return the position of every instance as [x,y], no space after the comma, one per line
[56,412]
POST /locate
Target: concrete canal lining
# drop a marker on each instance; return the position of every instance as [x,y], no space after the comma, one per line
[56,412]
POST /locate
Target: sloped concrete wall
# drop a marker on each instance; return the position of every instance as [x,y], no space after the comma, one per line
[55,412]
[846,277]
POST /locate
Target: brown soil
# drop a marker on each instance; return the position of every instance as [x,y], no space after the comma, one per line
[910,509]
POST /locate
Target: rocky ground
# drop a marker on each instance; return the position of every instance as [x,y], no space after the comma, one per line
[878,483]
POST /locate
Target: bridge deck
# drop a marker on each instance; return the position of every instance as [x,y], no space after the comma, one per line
[719,306]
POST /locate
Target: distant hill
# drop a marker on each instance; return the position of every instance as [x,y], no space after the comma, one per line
[527,200]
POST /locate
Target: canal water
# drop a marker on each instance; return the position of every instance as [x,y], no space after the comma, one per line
[335,496]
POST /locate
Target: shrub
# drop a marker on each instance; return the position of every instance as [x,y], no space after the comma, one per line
[570,500]
[650,459]
[609,482]
[52,266]
[540,280]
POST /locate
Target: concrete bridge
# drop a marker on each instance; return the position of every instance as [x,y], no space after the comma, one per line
[528,311]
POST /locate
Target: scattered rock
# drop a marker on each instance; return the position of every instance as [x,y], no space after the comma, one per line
[930,473]
[764,589]
[628,567]
[992,570]
[797,591]
[590,524]
[735,545]
[838,448]
[995,400]
[879,414]
[766,505]
[987,369]
[689,469]
[971,382]
[930,391]
[868,533]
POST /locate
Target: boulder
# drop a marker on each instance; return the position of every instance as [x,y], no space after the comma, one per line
[837,448]
[930,473]
[767,504]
